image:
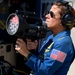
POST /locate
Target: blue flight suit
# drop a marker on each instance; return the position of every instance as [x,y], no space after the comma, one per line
[55,55]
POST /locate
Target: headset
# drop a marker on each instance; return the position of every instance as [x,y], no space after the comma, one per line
[68,18]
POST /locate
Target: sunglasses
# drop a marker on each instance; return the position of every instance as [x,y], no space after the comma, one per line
[51,13]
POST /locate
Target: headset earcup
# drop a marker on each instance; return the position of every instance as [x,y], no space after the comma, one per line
[68,20]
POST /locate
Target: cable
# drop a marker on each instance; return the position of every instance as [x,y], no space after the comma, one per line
[20,71]
[6,62]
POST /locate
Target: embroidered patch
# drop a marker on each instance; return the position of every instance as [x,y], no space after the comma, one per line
[58,55]
[47,50]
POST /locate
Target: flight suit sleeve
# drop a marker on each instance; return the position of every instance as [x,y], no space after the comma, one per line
[52,60]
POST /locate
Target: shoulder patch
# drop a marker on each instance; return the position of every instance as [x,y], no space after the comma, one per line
[58,55]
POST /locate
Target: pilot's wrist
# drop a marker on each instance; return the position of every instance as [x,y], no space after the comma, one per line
[28,56]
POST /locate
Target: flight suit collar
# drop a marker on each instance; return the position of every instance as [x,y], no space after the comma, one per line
[61,34]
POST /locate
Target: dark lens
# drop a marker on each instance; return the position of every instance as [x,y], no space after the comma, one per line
[51,13]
